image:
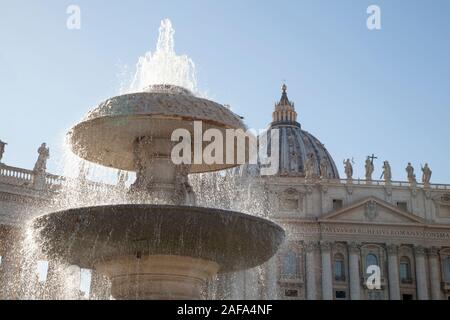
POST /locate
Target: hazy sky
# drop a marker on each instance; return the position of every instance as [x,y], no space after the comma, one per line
[360,92]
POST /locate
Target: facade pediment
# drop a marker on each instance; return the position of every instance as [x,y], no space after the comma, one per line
[372,210]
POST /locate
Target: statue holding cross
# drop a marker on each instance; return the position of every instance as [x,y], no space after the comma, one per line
[370,167]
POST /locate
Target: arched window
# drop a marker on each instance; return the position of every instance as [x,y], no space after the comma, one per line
[290,267]
[338,266]
[405,270]
[371,260]
[447,269]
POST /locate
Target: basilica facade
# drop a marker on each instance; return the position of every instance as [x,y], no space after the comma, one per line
[337,228]
[346,238]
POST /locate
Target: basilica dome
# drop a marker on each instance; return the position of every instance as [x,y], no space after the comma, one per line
[298,148]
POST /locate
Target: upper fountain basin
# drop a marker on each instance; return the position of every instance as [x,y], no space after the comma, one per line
[107,133]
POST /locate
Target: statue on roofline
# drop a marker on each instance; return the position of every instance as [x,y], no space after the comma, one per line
[2,149]
[426,175]
[44,155]
[348,168]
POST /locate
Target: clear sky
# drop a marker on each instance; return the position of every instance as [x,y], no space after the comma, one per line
[359,91]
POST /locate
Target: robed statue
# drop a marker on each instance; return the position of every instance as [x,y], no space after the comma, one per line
[41,163]
[348,168]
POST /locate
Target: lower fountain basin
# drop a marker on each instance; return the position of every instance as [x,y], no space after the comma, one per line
[90,236]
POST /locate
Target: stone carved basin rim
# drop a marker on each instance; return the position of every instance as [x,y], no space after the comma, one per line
[107,133]
[89,235]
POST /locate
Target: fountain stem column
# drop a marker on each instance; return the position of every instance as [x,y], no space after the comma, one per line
[157,176]
[158,277]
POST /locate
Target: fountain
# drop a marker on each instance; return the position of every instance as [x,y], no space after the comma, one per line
[160,246]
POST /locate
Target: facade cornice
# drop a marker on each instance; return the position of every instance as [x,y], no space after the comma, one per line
[398,234]
[415,219]
[359,183]
[319,222]
[23,191]
[19,198]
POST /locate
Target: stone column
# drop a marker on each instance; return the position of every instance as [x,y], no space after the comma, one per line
[158,277]
[327,271]
[157,176]
[394,281]
[311,287]
[433,260]
[421,276]
[354,272]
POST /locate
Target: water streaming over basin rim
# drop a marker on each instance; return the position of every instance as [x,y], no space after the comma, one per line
[88,235]
[107,133]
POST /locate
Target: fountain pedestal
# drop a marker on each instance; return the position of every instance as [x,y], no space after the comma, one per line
[158,277]
[157,177]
